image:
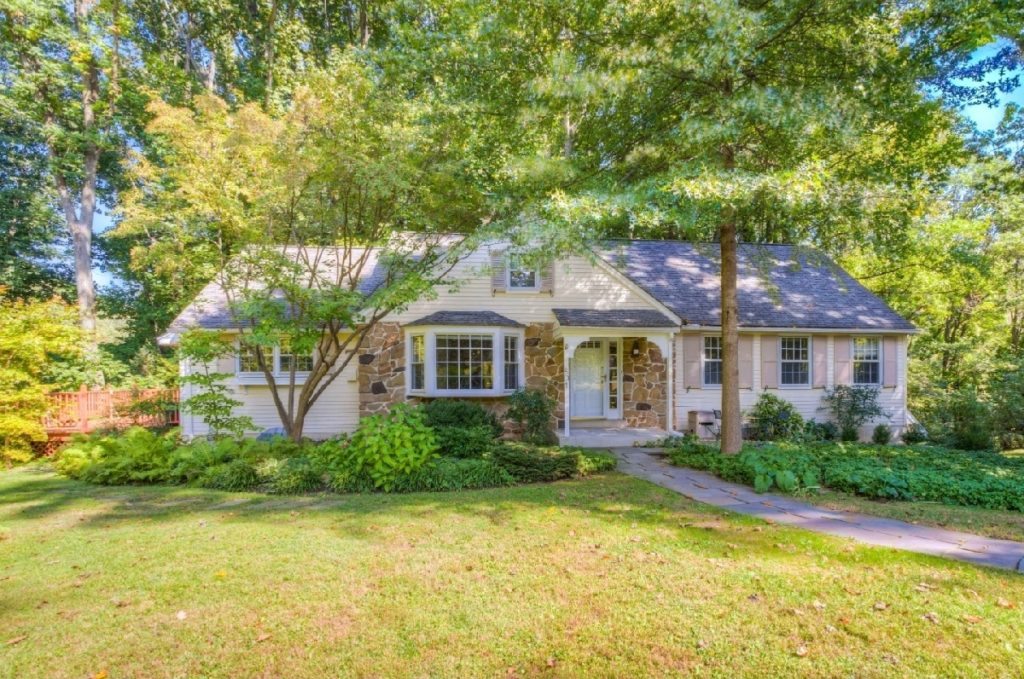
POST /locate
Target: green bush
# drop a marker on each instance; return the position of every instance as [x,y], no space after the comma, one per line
[971,421]
[455,474]
[820,431]
[386,447]
[774,419]
[851,407]
[882,435]
[533,410]
[914,434]
[532,464]
[464,442]
[919,472]
[448,412]
[135,455]
[235,475]
[294,476]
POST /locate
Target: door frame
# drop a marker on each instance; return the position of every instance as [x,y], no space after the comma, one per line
[606,412]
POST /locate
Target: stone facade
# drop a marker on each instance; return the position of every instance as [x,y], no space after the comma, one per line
[644,402]
[382,375]
[381,369]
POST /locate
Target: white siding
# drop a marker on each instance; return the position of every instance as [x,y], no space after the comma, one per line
[578,285]
[335,412]
[807,400]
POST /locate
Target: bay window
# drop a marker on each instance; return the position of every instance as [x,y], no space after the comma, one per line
[446,361]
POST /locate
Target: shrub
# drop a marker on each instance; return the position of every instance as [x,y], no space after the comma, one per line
[914,434]
[454,474]
[594,462]
[135,455]
[447,412]
[1011,441]
[533,409]
[775,419]
[235,475]
[820,431]
[529,464]
[851,407]
[971,421]
[388,446]
[293,476]
[882,435]
[465,442]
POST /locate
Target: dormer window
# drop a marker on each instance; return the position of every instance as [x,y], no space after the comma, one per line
[521,278]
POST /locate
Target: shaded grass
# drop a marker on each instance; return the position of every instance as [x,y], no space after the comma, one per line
[609,576]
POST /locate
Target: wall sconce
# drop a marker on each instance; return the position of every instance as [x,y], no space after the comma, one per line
[636,348]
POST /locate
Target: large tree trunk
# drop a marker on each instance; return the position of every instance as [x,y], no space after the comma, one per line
[732,433]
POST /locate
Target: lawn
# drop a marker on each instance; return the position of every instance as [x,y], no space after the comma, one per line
[608,576]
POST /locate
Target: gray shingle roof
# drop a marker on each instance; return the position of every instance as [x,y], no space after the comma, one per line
[466,318]
[780,286]
[614,318]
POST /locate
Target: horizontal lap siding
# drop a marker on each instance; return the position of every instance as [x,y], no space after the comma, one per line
[336,411]
[578,285]
[808,401]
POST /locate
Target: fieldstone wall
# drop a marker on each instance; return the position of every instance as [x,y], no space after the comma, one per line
[381,369]
[545,366]
[644,377]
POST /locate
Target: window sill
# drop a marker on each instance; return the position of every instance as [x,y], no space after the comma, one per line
[481,393]
[259,379]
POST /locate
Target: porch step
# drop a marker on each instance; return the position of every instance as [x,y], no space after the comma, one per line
[598,423]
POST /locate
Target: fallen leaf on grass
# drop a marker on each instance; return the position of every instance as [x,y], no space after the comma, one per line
[263,637]
[102,674]
[973,619]
[932,617]
[801,651]
[551,662]
[1004,603]
[182,615]
[818,606]
[17,640]
[881,605]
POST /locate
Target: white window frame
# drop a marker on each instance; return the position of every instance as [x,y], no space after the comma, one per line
[703,359]
[497,334]
[256,377]
[854,361]
[514,265]
[810,362]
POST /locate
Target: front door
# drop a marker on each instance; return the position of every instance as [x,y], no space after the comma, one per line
[587,382]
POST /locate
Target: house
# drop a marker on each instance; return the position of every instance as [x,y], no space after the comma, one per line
[628,337]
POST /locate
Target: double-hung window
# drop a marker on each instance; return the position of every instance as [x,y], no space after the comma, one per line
[287,358]
[464,362]
[279,359]
[795,361]
[521,278]
[867,360]
[712,361]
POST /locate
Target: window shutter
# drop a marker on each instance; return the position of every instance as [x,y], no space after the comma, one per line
[770,361]
[497,271]
[547,278]
[889,371]
[844,368]
[819,367]
[746,362]
[692,350]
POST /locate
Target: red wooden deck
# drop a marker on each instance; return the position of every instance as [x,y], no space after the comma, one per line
[84,411]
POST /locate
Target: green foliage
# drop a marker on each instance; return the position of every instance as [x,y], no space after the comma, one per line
[32,335]
[851,406]
[211,399]
[443,474]
[236,475]
[820,431]
[293,476]
[135,455]
[914,434]
[1007,395]
[882,435]
[532,464]
[464,429]
[533,410]
[775,419]
[923,473]
[971,421]
[386,447]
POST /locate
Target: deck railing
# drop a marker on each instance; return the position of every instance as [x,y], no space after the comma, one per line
[83,411]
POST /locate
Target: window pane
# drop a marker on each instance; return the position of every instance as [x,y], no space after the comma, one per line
[713,348]
[511,376]
[247,361]
[712,372]
[522,278]
[416,362]
[465,362]
[866,372]
[866,348]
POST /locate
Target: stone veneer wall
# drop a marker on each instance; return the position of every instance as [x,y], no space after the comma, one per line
[381,369]
[644,402]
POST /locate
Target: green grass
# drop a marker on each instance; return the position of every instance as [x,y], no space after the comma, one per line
[608,576]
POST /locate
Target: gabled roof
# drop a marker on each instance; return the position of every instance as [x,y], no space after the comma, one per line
[613,318]
[780,286]
[488,318]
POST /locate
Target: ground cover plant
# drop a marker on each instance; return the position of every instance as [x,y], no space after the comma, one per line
[910,473]
[606,576]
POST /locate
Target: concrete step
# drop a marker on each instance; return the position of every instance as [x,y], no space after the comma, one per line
[598,423]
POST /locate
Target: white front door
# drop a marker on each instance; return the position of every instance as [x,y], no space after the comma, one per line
[587,385]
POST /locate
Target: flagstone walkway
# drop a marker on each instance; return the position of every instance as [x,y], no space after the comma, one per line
[649,464]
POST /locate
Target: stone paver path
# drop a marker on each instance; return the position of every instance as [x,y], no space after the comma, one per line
[703,487]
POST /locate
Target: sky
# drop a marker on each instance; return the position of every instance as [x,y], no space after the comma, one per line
[985,117]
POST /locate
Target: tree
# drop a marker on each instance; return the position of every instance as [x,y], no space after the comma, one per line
[316,223]
[32,333]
